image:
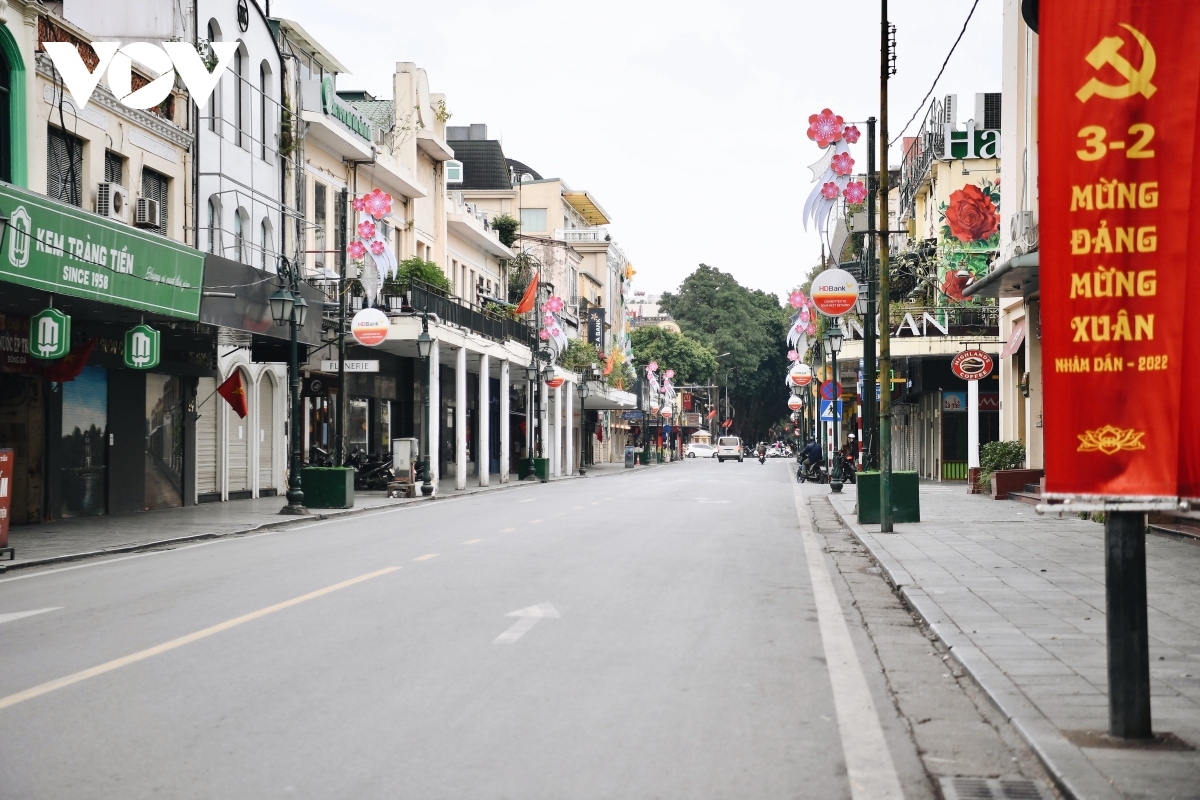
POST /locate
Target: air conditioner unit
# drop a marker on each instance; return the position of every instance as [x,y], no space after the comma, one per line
[112,201]
[147,213]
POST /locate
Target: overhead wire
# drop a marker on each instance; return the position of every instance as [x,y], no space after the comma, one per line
[933,86]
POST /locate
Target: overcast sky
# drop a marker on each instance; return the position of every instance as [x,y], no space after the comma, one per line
[686,120]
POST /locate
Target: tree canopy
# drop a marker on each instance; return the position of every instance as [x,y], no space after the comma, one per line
[749,325]
[692,361]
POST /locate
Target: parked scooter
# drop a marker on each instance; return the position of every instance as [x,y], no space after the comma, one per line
[371,471]
[849,469]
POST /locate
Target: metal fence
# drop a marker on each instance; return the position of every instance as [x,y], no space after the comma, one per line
[491,321]
[920,154]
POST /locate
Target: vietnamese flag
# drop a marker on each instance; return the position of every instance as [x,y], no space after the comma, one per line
[530,296]
[711,414]
[608,366]
[234,392]
[69,366]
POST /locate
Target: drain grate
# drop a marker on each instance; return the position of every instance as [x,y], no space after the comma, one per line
[990,789]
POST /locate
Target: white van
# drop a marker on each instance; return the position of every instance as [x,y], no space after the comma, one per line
[729,447]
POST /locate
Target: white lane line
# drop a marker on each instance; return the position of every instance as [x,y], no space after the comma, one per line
[528,617]
[473,541]
[23,614]
[869,764]
[426,557]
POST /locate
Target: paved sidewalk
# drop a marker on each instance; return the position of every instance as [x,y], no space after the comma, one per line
[1019,599]
[88,537]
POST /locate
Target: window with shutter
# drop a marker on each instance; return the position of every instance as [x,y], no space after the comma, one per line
[319,220]
[64,167]
[114,168]
[154,187]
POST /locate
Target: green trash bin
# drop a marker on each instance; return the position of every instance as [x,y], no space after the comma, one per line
[327,487]
[541,468]
[906,498]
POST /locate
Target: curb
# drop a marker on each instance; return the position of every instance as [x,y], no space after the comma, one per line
[134,547]
[1070,769]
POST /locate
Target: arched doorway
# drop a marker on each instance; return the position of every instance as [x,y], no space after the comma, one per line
[237,450]
[266,436]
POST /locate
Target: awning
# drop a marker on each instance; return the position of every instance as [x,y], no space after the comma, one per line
[588,208]
[237,296]
[1018,336]
[1017,277]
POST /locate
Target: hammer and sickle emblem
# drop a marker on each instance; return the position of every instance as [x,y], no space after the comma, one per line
[1137,80]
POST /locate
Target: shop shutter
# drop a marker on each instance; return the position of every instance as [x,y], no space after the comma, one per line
[206,436]
[237,449]
[266,434]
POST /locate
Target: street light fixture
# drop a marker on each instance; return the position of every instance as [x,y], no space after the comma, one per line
[833,342]
[424,350]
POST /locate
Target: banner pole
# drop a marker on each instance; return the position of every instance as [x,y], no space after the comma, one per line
[1128,640]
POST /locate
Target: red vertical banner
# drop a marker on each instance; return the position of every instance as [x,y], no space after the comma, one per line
[1118,85]
[6,491]
[1189,433]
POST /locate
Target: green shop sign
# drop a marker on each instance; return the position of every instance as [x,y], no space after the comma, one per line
[142,347]
[334,108]
[49,334]
[62,249]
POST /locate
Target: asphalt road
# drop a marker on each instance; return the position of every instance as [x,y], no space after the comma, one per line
[673,640]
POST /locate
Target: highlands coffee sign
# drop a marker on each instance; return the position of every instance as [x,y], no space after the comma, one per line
[168,60]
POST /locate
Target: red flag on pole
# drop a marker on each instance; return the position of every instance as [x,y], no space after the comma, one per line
[530,296]
[69,366]
[711,414]
[234,392]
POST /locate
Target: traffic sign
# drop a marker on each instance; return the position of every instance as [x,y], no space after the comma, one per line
[827,410]
[830,390]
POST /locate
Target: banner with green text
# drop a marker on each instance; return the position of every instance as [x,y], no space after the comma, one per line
[63,249]
[1118,86]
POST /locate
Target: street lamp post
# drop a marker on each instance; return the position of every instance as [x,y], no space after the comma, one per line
[532,374]
[584,391]
[424,348]
[833,341]
[288,307]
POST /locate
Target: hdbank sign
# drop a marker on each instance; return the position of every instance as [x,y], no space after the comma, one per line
[167,60]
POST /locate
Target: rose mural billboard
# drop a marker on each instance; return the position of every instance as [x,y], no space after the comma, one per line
[970,228]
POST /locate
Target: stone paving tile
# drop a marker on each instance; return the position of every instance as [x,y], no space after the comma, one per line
[1028,592]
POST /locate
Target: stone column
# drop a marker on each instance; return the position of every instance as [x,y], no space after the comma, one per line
[505,423]
[460,420]
[569,430]
[556,441]
[434,414]
[484,456]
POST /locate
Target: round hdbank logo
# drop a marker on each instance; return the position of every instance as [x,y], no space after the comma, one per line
[369,327]
[834,292]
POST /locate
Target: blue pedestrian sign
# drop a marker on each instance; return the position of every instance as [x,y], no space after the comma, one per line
[827,411]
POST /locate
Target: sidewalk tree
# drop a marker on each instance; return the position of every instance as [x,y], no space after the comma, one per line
[750,325]
[692,361]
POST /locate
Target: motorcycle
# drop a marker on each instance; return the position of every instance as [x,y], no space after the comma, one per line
[816,473]
[371,471]
[762,458]
[849,469]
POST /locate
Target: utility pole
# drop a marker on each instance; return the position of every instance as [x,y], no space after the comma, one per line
[870,366]
[885,345]
[339,422]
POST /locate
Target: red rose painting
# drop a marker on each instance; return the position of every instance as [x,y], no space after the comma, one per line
[971,215]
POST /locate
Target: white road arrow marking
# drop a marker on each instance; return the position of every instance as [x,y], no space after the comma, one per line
[528,617]
[22,614]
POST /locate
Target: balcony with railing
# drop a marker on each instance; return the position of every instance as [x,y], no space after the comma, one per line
[919,156]
[583,235]
[491,319]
